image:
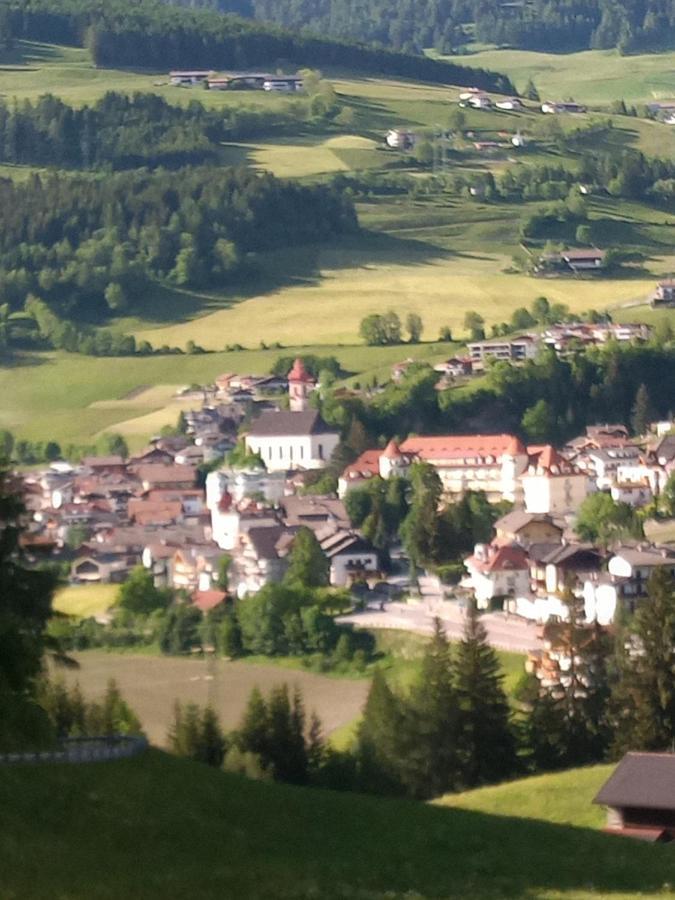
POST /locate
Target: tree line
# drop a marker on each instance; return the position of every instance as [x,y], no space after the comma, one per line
[124,132]
[88,246]
[152,34]
[455,728]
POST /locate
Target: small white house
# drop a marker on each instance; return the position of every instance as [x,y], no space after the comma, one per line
[509,103]
[497,572]
[351,557]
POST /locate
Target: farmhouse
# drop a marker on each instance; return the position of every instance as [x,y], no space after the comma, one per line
[640,797]
[286,84]
[572,260]
[555,108]
[509,103]
[181,79]
[352,557]
[664,295]
[400,139]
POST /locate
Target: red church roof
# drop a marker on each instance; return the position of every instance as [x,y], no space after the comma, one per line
[391,451]
[300,373]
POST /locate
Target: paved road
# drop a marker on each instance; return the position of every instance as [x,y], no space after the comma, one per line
[504,632]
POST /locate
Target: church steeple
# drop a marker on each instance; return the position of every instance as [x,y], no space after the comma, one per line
[300,385]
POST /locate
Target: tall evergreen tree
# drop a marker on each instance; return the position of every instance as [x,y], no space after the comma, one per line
[379,740]
[430,762]
[643,700]
[308,565]
[643,411]
[486,737]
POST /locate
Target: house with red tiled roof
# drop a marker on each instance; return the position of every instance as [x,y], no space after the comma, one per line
[492,463]
[552,484]
[496,572]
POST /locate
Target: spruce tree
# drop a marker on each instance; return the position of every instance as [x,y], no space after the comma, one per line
[643,411]
[378,743]
[643,699]
[430,728]
[486,740]
[308,565]
[212,744]
[286,742]
[252,734]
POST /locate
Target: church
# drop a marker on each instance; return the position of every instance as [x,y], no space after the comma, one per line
[296,438]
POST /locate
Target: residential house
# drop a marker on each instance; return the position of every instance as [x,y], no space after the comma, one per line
[510,103]
[285,84]
[188,78]
[195,567]
[108,465]
[455,367]
[632,567]
[516,349]
[321,514]
[208,599]
[572,260]
[261,557]
[352,557]
[156,476]
[664,295]
[525,528]
[554,107]
[496,572]
[640,797]
[400,139]
[93,567]
[551,484]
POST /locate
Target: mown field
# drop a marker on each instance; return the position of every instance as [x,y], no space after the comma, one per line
[564,798]
[151,684]
[72,398]
[591,76]
[160,827]
[440,258]
[84,600]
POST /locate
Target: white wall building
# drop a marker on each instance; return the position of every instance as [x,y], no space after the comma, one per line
[553,485]
[288,440]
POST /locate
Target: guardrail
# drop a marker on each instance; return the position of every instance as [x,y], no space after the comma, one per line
[81,750]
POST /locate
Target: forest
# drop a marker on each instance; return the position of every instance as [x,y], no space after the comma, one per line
[415,25]
[151,34]
[126,132]
[89,245]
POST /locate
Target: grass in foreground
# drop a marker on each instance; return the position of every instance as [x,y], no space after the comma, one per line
[564,798]
[159,827]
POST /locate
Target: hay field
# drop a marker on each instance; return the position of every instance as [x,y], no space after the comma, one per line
[152,684]
[590,76]
[84,600]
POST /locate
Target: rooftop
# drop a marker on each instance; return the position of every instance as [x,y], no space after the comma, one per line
[285,423]
[643,780]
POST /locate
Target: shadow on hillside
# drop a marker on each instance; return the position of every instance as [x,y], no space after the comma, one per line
[29,55]
[281,841]
[299,266]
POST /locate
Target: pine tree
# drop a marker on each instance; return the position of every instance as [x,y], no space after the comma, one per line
[643,700]
[212,744]
[643,411]
[252,734]
[486,740]
[308,564]
[286,743]
[316,747]
[531,92]
[378,744]
[430,763]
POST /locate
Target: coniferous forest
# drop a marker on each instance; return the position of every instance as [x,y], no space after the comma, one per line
[151,34]
[412,25]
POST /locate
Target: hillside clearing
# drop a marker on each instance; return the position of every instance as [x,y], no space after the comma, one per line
[564,798]
[160,827]
[591,76]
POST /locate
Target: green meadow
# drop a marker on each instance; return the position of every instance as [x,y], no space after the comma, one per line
[591,76]
[563,798]
[191,831]
[438,256]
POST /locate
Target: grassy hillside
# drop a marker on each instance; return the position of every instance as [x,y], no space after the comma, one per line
[564,798]
[157,827]
[591,76]
[83,600]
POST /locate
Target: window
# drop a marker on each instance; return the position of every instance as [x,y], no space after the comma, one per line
[269,452]
[302,451]
[281,452]
[320,451]
[290,451]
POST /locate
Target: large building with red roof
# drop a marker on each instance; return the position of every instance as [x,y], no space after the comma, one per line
[500,465]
